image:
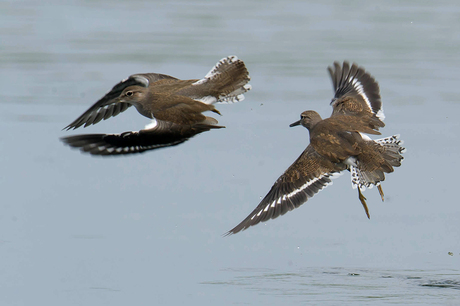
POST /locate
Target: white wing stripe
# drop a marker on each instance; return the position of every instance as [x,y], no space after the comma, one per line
[359,88]
[282,198]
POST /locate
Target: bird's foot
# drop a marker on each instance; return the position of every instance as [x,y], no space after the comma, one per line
[363,201]
[379,187]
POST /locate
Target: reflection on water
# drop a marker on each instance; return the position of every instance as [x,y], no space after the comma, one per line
[336,284]
[454,284]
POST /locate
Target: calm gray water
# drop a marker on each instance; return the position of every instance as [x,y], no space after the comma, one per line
[147,229]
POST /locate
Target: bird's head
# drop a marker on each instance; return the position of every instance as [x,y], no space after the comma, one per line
[308,119]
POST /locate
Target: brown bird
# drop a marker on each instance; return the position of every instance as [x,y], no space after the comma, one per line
[336,144]
[175,107]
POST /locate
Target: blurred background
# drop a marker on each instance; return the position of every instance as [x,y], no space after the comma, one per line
[147,229]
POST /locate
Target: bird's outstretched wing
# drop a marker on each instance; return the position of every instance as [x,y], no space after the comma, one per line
[109,105]
[158,135]
[309,174]
[357,94]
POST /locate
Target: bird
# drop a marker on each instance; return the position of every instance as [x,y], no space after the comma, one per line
[337,144]
[175,107]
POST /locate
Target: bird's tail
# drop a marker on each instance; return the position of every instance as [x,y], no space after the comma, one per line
[225,83]
[378,157]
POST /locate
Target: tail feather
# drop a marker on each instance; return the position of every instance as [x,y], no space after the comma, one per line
[225,83]
[387,154]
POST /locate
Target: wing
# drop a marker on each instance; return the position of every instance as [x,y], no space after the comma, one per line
[309,174]
[160,134]
[356,94]
[109,105]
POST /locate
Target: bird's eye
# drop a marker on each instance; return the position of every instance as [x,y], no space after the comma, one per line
[129,93]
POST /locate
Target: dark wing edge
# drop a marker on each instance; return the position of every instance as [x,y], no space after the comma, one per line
[292,189]
[355,81]
[108,106]
[164,134]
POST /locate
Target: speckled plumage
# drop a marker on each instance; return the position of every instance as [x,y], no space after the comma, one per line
[176,107]
[336,144]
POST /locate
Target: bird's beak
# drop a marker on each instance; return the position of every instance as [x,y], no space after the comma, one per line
[295,123]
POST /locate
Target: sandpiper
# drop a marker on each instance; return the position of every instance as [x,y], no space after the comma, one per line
[336,144]
[175,107]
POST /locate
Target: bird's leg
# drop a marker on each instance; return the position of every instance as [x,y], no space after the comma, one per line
[379,187]
[363,201]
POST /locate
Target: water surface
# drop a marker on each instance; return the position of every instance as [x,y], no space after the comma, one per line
[147,229]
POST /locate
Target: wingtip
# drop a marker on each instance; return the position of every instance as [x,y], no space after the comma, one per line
[229,233]
[68,127]
[233,231]
[239,228]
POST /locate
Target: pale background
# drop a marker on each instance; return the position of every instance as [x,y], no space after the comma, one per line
[147,229]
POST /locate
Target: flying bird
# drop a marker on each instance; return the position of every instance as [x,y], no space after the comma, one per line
[175,107]
[337,143]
